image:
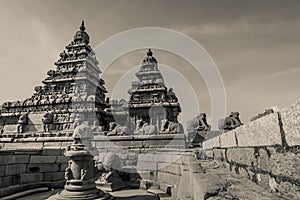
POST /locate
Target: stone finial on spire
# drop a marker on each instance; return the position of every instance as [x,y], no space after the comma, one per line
[82,27]
[149,53]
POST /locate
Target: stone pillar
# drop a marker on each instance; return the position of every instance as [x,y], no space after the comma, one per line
[81,173]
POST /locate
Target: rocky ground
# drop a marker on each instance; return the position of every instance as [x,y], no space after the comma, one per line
[220,183]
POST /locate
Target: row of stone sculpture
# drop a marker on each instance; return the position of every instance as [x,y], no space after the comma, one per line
[143,128]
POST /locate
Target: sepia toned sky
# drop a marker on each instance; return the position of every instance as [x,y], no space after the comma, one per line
[255,44]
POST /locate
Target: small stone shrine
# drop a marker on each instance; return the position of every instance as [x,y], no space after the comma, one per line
[152,106]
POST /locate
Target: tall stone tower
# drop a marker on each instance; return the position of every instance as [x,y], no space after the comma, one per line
[74,86]
[150,100]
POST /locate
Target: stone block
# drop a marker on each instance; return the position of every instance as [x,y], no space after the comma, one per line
[15,169]
[35,167]
[169,168]
[8,180]
[35,118]
[264,131]
[126,143]
[2,170]
[42,159]
[31,178]
[57,176]
[34,128]
[147,166]
[10,128]
[24,145]
[285,164]
[13,159]
[162,158]
[177,159]
[52,151]
[11,190]
[52,144]
[290,117]
[61,159]
[172,179]
[63,167]
[211,143]
[219,154]
[145,157]
[66,144]
[228,139]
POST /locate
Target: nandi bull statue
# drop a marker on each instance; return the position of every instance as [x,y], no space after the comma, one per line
[230,122]
[197,129]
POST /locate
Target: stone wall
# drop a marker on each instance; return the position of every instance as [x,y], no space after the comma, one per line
[266,150]
[28,163]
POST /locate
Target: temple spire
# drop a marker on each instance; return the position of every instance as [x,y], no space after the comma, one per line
[82,27]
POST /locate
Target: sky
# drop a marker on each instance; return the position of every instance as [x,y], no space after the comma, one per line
[255,45]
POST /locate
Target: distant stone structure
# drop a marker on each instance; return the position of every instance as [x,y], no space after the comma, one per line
[230,122]
[151,102]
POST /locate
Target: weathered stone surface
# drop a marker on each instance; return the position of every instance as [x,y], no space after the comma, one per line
[53,144]
[24,145]
[11,190]
[290,190]
[264,131]
[35,119]
[145,157]
[290,117]
[42,167]
[219,154]
[13,159]
[15,169]
[228,139]
[31,178]
[2,170]
[147,166]
[169,168]
[8,180]
[211,143]
[63,167]
[172,179]
[51,151]
[57,176]
[263,160]
[285,165]
[42,159]
[10,128]
[61,159]
[243,156]
[162,158]
[177,159]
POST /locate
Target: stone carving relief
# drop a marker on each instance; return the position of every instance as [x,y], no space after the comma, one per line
[22,122]
[47,121]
